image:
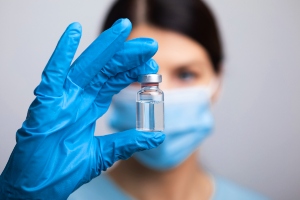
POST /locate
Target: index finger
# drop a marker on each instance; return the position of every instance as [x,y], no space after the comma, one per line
[91,61]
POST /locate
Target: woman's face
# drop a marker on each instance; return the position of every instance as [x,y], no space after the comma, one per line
[183,62]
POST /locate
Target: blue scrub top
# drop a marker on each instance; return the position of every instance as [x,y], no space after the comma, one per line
[103,188]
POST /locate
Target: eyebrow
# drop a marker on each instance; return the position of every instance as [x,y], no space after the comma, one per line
[196,64]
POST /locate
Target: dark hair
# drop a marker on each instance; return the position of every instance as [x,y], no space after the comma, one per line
[190,17]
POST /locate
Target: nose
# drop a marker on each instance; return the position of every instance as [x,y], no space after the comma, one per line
[164,85]
[166,81]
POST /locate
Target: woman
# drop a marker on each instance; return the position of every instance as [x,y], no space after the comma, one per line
[190,57]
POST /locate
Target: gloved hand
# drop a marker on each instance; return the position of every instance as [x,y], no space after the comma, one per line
[56,150]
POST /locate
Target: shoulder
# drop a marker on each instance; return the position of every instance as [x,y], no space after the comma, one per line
[226,189]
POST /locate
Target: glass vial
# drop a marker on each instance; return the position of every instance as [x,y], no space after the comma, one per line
[150,104]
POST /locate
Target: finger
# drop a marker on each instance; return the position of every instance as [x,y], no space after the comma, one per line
[134,53]
[55,72]
[116,83]
[91,61]
[122,145]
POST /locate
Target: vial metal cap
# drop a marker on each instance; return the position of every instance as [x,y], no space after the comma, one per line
[150,78]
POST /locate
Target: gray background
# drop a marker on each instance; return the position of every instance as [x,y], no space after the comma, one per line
[256,140]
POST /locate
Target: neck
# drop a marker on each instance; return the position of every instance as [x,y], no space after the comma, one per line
[187,181]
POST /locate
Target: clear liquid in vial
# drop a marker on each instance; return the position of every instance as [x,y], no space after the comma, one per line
[150,115]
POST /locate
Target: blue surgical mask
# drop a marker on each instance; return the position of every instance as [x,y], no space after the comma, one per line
[188,120]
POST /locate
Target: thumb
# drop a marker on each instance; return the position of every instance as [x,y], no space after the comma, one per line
[122,145]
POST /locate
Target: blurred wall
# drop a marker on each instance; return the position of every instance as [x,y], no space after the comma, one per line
[256,140]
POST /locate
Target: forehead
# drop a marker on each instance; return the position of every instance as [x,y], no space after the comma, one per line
[174,48]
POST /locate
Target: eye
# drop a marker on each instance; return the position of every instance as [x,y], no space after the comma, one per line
[187,76]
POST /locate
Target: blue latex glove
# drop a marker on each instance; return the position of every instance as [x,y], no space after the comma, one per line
[56,150]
